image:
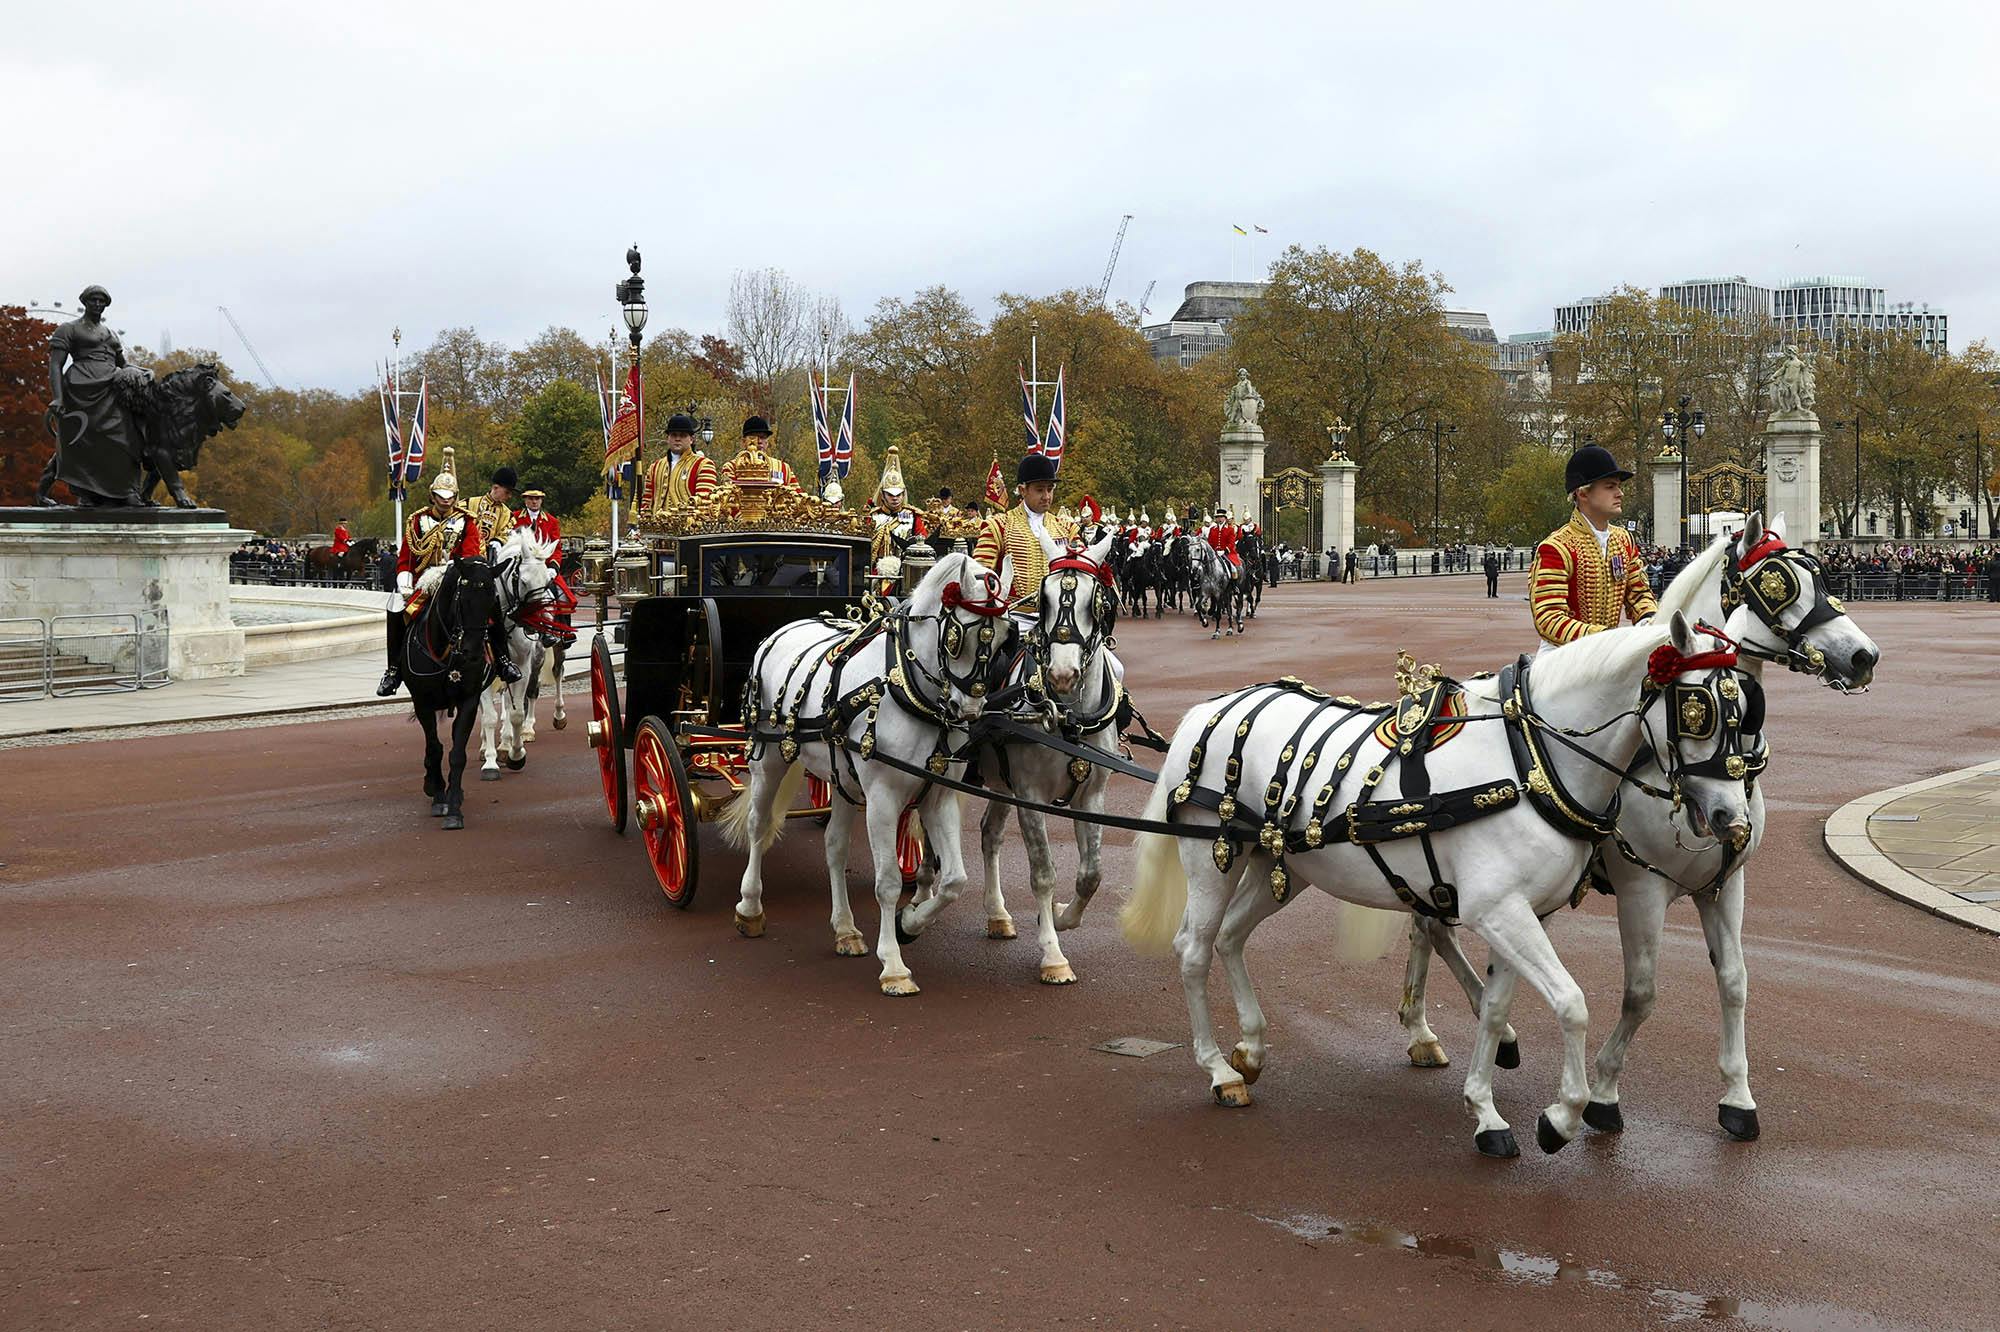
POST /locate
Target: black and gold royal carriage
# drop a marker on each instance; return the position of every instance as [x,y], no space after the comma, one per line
[700,587]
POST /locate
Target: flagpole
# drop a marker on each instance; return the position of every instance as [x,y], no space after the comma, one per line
[396,390]
[613,478]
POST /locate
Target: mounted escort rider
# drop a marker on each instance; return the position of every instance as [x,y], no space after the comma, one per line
[433,537]
[681,475]
[1588,574]
[540,523]
[490,512]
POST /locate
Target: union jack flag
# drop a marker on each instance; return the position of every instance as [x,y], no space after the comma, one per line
[820,434]
[392,429]
[843,448]
[413,460]
[1028,410]
[1052,446]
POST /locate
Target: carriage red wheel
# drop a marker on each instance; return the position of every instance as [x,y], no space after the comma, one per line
[664,803]
[819,796]
[605,733]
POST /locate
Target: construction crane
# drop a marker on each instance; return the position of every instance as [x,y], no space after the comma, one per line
[265,370]
[1111,264]
[1146,301]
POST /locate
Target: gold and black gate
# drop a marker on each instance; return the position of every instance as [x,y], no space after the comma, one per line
[1293,488]
[1725,488]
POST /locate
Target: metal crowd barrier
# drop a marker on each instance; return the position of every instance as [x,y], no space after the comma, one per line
[104,653]
[24,659]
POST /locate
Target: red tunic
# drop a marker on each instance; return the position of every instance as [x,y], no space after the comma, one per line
[543,525]
[1222,536]
[340,539]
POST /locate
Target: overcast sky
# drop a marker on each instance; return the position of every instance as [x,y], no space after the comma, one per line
[330,170]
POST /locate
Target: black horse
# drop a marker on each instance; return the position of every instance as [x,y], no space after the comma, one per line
[174,415]
[445,667]
[1250,545]
[356,562]
[1138,576]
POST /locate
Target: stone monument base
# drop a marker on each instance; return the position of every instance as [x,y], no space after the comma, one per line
[168,565]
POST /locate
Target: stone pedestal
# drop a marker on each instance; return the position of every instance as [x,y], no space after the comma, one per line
[1791,474]
[1242,469]
[1667,501]
[170,564]
[1337,477]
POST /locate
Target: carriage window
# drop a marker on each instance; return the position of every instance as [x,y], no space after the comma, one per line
[774,570]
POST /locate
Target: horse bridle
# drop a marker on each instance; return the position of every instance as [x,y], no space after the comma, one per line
[448,661]
[990,606]
[542,612]
[1103,609]
[1769,579]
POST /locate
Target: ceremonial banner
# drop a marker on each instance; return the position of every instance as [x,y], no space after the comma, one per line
[1052,444]
[413,458]
[392,429]
[821,436]
[621,444]
[843,448]
[1028,410]
[996,488]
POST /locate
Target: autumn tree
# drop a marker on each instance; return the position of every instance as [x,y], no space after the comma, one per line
[25,442]
[558,445]
[1524,500]
[1357,337]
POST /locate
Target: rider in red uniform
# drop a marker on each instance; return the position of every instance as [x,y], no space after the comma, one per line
[1222,535]
[539,521]
[341,540]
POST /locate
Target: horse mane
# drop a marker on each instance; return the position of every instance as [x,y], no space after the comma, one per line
[1702,574]
[1593,657]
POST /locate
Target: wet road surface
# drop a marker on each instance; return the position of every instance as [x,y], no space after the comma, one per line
[281,1054]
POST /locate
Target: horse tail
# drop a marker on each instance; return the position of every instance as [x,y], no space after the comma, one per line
[1363,934]
[1152,915]
[736,815]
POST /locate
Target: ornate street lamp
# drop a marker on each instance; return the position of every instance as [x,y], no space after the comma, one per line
[1978,482]
[1336,436]
[1854,528]
[1682,428]
[632,300]
[1438,431]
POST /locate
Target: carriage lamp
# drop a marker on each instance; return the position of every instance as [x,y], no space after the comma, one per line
[631,294]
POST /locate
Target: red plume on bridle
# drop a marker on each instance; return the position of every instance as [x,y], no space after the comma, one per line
[1767,545]
[1668,661]
[990,605]
[1077,562]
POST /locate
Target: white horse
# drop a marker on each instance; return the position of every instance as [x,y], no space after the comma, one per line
[1218,589]
[1076,697]
[1500,872]
[909,692]
[526,583]
[1792,618]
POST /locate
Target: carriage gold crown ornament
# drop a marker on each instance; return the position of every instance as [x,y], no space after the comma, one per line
[1413,678]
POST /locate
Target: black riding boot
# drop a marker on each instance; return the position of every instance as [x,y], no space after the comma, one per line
[503,660]
[392,679]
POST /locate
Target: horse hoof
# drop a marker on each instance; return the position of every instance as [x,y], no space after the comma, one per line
[454,822]
[898,986]
[1060,974]
[1429,1054]
[1217,634]
[527,737]
[1251,1072]
[1498,1143]
[560,723]
[750,927]
[1234,1095]
[903,936]
[1508,1055]
[1737,1122]
[1604,1116]
[999,927]
[489,774]
[850,945]
[516,764]
[1546,1136]
[439,809]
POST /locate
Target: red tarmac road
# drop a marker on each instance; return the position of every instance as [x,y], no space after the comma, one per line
[280,1054]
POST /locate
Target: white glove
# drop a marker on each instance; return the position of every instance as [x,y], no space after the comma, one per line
[404,583]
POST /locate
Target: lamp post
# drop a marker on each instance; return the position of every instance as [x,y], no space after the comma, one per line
[631,293]
[1438,431]
[1854,528]
[1682,427]
[1978,483]
[1336,437]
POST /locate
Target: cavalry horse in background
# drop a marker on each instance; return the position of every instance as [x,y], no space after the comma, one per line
[356,562]
[446,670]
[1503,825]
[1777,609]
[1250,545]
[1138,572]
[537,607]
[834,698]
[1176,571]
[1218,589]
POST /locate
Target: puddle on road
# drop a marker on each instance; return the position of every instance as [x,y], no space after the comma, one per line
[1668,1306]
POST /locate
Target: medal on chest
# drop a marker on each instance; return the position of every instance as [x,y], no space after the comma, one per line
[1617,568]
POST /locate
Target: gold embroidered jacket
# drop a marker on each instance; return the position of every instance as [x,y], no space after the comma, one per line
[671,483]
[495,519]
[1007,537]
[1577,589]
